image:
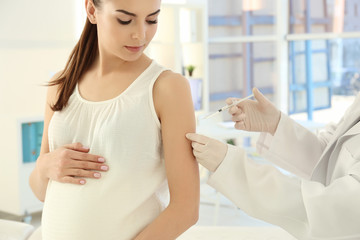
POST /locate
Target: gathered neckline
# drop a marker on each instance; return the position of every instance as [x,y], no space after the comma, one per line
[118,96]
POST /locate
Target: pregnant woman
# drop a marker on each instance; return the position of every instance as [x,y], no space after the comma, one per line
[114,162]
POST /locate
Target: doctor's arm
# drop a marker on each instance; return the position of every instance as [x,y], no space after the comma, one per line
[306,209]
[174,107]
[303,147]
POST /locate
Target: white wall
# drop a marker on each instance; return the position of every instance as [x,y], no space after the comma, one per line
[36,38]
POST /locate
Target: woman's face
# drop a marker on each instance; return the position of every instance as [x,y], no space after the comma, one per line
[126,27]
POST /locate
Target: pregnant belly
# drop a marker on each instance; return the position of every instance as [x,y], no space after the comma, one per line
[94,211]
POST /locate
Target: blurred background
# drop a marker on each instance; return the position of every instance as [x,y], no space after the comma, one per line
[302,54]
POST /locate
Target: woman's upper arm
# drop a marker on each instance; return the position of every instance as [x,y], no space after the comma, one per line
[173,104]
[51,98]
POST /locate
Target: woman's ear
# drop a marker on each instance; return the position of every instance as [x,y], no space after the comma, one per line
[90,11]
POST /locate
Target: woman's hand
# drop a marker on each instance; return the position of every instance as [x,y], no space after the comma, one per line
[256,116]
[71,164]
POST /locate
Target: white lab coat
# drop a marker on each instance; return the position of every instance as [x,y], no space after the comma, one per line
[323,202]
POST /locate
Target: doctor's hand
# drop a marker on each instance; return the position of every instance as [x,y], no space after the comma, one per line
[71,164]
[256,116]
[208,152]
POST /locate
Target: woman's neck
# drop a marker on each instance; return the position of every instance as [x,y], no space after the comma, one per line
[105,65]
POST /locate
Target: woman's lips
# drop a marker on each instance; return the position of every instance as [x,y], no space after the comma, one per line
[134,48]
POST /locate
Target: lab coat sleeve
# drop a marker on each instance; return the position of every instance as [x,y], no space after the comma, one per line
[293,147]
[306,209]
[260,190]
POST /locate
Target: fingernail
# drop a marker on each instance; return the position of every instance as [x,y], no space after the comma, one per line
[101,159]
[82,182]
[85,147]
[104,168]
[97,175]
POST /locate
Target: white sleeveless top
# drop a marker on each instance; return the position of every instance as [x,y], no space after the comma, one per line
[126,131]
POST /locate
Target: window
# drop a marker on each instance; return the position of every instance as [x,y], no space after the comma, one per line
[299,52]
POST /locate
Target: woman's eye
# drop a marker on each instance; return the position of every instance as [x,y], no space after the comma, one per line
[124,22]
[152,22]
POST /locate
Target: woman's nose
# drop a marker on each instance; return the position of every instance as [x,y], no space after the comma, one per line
[139,32]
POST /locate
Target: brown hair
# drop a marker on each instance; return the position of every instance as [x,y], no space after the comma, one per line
[81,57]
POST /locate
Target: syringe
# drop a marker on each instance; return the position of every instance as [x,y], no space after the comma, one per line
[228,106]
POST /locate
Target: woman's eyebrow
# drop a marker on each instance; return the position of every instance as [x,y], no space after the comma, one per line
[134,15]
[154,13]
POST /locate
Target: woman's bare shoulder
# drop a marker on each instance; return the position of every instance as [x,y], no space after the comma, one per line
[170,81]
[172,91]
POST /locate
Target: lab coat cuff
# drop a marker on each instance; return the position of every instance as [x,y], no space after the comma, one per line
[232,158]
[266,140]
[272,147]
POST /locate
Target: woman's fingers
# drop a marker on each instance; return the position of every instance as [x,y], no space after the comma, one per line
[86,165]
[81,173]
[77,175]
[80,160]
[73,159]
[77,147]
[73,180]
[74,163]
[86,157]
